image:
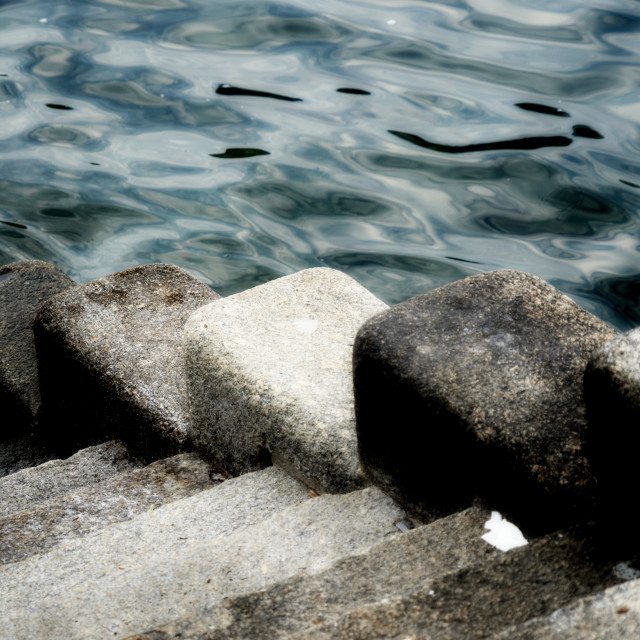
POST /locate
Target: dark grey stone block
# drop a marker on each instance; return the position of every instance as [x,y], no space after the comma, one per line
[476,388]
[110,358]
[612,392]
[24,286]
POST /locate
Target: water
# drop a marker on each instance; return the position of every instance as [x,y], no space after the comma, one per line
[420,141]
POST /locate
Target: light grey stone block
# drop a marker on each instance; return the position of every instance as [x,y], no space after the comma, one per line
[127,578]
[393,567]
[24,286]
[269,377]
[110,358]
[25,489]
[122,497]
[613,614]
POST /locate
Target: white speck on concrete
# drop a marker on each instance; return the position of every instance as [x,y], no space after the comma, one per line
[503,534]
[392,21]
[306,325]
[44,20]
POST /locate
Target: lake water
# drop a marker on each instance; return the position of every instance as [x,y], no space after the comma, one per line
[407,143]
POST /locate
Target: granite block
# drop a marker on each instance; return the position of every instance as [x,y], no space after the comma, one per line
[269,377]
[110,358]
[475,602]
[612,392]
[476,388]
[24,286]
[613,614]
[393,567]
[91,590]
[30,487]
[116,499]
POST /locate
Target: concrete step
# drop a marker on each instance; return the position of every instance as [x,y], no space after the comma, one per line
[114,499]
[393,567]
[240,536]
[477,601]
[27,488]
[613,613]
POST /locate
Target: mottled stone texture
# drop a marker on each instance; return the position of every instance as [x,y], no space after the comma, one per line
[24,286]
[474,602]
[613,614]
[110,358]
[394,567]
[476,388]
[269,377]
[612,392]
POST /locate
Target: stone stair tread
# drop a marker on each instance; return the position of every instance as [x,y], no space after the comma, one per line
[611,614]
[392,567]
[24,489]
[115,499]
[124,578]
[480,600]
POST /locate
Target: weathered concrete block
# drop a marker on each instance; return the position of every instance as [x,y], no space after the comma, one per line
[110,357]
[476,388]
[269,377]
[612,392]
[24,286]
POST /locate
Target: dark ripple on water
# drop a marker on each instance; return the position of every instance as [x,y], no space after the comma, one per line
[407,147]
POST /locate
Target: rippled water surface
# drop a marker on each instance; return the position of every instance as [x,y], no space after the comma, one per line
[407,143]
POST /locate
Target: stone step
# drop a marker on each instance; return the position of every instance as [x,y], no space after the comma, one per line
[243,535]
[114,499]
[26,489]
[613,613]
[110,359]
[270,378]
[477,601]
[24,286]
[393,567]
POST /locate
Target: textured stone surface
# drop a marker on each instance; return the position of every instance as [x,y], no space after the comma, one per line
[23,451]
[269,376]
[24,286]
[121,580]
[23,490]
[392,567]
[27,533]
[111,357]
[613,614]
[612,392]
[476,387]
[475,602]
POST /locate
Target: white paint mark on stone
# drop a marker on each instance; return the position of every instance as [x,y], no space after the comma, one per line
[306,325]
[503,534]
[392,21]
[44,20]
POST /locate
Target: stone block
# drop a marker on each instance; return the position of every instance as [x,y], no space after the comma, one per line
[614,613]
[24,286]
[269,377]
[476,388]
[27,488]
[110,358]
[153,569]
[612,392]
[391,568]
[99,504]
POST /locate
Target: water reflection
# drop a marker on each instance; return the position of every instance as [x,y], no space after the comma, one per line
[406,146]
